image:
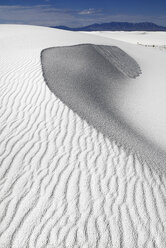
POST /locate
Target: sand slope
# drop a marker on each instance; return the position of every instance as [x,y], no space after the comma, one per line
[62,183]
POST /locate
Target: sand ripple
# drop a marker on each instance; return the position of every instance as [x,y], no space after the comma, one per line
[62,183]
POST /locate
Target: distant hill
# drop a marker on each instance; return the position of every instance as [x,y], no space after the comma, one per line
[117,26]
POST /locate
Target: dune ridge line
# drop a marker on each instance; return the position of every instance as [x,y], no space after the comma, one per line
[85,77]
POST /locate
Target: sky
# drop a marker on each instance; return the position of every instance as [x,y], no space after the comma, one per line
[75,13]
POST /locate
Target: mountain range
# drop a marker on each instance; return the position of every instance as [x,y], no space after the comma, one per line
[117,26]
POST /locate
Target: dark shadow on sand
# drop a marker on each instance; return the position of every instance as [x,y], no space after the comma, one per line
[85,78]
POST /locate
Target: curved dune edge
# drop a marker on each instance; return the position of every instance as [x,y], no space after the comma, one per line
[62,183]
[85,77]
[118,58]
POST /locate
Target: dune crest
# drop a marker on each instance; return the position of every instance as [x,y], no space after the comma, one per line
[86,77]
[121,60]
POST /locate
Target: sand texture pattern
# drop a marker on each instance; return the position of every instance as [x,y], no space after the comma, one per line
[87,77]
[62,183]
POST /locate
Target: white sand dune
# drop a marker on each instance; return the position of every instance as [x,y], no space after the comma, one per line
[136,37]
[62,183]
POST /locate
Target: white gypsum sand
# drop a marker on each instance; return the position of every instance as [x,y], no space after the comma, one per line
[136,37]
[62,183]
[142,102]
[86,78]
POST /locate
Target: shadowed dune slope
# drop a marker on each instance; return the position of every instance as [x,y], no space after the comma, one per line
[86,78]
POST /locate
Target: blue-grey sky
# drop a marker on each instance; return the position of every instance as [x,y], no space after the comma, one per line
[76,13]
